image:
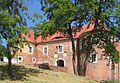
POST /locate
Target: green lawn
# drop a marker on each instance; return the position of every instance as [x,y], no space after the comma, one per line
[26,74]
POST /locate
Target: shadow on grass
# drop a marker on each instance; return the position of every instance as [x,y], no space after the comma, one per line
[18,72]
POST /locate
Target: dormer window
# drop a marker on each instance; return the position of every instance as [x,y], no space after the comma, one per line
[30,50]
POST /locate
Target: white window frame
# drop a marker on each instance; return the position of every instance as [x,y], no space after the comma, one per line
[33,60]
[44,50]
[60,59]
[91,60]
[19,61]
[29,49]
[62,48]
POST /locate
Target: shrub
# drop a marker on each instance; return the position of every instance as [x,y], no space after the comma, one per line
[111,81]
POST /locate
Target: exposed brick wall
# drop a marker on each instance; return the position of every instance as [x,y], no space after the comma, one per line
[27,58]
[97,71]
[102,69]
[52,50]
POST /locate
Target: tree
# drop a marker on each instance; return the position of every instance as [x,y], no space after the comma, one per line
[11,26]
[106,19]
[62,15]
[103,13]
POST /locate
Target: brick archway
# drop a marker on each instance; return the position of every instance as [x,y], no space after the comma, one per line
[60,62]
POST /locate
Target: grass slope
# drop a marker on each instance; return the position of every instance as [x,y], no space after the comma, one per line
[26,74]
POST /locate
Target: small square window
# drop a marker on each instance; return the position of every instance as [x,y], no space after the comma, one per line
[45,50]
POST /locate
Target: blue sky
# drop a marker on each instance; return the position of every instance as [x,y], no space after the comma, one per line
[33,7]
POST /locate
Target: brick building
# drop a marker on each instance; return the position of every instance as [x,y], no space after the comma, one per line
[56,50]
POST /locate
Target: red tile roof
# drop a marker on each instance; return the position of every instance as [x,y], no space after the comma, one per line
[60,36]
[29,37]
[53,37]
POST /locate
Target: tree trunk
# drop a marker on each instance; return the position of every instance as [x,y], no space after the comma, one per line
[82,56]
[78,56]
[73,48]
[83,65]
[73,56]
[9,67]
[10,52]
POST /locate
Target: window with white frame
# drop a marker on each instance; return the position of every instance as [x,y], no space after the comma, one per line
[93,58]
[34,60]
[60,48]
[30,49]
[20,59]
[45,50]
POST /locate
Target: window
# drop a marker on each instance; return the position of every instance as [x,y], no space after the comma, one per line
[30,49]
[20,50]
[93,58]
[60,63]
[60,48]
[45,50]
[20,59]
[34,60]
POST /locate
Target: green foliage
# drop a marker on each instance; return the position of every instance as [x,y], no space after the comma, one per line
[11,16]
[105,14]
[111,81]
[61,13]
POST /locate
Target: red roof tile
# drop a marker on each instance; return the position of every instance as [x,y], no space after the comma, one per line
[60,36]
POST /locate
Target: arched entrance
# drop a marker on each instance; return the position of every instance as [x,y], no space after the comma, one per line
[60,63]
